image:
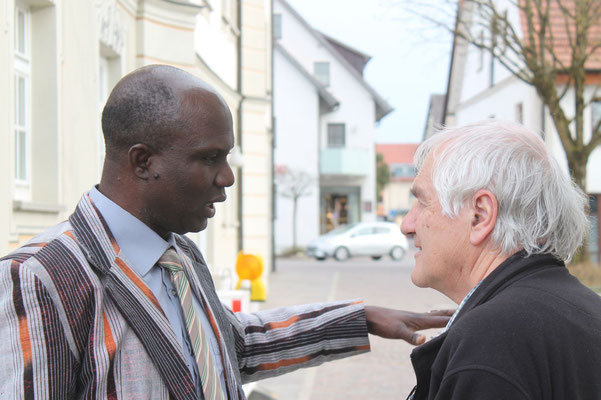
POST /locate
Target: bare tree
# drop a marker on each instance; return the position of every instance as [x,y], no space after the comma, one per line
[552,45]
[293,184]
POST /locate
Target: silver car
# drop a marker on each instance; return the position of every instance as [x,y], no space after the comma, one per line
[374,239]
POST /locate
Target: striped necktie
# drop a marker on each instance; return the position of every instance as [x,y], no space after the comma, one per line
[211,384]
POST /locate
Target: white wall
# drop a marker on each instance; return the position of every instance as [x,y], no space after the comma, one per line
[356,109]
[70,38]
[500,102]
[215,40]
[297,123]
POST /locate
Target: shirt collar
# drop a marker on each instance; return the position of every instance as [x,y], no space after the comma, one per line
[139,244]
[465,299]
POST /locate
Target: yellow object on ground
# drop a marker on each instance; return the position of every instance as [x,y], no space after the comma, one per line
[250,267]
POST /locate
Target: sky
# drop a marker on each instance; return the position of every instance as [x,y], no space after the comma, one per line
[410,59]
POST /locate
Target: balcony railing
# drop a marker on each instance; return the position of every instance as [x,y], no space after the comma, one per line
[344,161]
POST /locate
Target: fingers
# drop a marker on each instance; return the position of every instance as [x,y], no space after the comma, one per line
[417,339]
[411,337]
[447,313]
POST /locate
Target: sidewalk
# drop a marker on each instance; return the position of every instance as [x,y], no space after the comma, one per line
[385,372]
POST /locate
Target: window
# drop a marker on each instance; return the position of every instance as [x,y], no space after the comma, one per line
[21,131]
[22,101]
[595,113]
[277,26]
[481,52]
[381,230]
[321,70]
[336,135]
[519,113]
[402,171]
[364,232]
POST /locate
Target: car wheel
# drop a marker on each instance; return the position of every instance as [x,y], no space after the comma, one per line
[376,257]
[341,254]
[397,253]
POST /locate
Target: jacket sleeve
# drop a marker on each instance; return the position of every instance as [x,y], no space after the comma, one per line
[479,383]
[37,361]
[273,342]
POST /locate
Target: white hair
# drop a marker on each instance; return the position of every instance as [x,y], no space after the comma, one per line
[541,210]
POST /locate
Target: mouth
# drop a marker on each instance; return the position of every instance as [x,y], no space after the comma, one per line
[209,210]
[210,206]
[418,247]
[218,199]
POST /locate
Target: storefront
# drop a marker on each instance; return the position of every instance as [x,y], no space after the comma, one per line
[339,206]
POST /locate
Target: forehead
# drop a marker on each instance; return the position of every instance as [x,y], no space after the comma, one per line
[423,181]
[206,119]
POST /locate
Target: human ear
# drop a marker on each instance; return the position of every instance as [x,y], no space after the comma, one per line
[484,217]
[140,157]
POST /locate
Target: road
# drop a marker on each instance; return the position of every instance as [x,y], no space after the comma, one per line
[385,372]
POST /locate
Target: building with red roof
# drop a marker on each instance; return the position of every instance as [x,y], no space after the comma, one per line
[396,195]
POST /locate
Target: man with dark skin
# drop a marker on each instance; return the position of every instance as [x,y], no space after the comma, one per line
[115,328]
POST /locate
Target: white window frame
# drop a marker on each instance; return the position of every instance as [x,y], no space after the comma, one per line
[22,70]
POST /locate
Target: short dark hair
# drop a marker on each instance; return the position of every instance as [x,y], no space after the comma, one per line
[142,108]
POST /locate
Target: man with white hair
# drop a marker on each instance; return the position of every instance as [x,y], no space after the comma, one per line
[494,220]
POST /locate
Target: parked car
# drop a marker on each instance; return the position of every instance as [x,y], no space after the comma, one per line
[374,239]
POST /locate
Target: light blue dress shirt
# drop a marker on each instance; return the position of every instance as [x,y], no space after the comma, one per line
[142,248]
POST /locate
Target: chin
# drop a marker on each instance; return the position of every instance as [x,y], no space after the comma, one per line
[199,226]
[417,279]
[191,227]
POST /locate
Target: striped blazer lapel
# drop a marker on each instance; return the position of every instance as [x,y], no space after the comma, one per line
[134,300]
[203,287]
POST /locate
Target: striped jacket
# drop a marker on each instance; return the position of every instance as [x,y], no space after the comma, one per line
[76,321]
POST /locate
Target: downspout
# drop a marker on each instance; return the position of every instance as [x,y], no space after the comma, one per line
[321,217]
[273,144]
[453,49]
[239,126]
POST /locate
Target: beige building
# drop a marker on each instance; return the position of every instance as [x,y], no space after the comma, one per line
[60,60]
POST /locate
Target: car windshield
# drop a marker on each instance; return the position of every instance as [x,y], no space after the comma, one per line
[341,229]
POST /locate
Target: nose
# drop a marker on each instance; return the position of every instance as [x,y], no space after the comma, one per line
[408,224]
[225,177]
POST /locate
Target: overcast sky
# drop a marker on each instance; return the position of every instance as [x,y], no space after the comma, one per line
[409,62]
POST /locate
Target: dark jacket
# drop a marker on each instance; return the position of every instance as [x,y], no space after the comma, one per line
[530,331]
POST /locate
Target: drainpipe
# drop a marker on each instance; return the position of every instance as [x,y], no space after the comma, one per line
[239,125]
[273,144]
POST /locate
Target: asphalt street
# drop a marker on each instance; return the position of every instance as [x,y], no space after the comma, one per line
[385,372]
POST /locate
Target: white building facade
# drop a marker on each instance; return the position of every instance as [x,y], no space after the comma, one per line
[325,114]
[60,60]
[480,87]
